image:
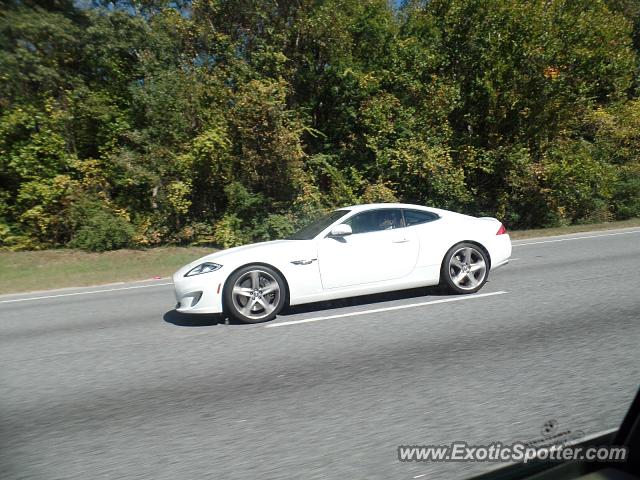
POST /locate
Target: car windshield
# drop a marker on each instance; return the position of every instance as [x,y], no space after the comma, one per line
[314,228]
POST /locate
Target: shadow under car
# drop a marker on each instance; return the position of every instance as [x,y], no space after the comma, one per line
[207,320]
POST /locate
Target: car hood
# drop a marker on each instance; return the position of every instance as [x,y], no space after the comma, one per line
[267,252]
[245,249]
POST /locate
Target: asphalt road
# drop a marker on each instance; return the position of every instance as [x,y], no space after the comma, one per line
[113,384]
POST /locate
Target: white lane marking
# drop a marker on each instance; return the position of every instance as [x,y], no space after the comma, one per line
[386,309]
[84,293]
[574,238]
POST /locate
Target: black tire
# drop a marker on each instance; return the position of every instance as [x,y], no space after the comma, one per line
[457,272]
[251,302]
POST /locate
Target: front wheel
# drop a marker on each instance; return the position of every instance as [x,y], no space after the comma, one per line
[255,293]
[465,268]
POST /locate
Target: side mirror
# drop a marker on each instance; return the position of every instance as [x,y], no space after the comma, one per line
[341,230]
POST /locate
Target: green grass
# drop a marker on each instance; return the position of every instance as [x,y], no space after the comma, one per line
[47,269]
[590,227]
[41,270]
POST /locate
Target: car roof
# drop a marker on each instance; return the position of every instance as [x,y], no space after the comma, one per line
[373,206]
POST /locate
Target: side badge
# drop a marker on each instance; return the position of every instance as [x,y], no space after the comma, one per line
[303,262]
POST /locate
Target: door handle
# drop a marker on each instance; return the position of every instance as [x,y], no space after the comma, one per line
[400,240]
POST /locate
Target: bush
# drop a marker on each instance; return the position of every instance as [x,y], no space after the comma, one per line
[104,231]
[379,192]
[229,232]
[577,186]
[626,197]
[274,227]
[41,207]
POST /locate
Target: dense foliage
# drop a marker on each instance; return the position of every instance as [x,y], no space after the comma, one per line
[138,123]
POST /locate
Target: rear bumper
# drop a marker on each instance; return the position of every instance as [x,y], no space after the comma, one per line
[499,250]
[501,264]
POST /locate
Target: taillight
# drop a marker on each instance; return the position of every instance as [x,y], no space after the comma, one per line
[501,230]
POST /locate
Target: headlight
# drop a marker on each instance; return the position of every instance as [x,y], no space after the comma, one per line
[205,267]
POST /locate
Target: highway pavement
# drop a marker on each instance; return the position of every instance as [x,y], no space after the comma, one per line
[110,382]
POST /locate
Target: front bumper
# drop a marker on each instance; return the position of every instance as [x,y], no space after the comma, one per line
[200,293]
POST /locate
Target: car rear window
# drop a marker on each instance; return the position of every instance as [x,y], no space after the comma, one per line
[416,217]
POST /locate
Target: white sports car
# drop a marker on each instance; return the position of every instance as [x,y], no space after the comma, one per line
[357,250]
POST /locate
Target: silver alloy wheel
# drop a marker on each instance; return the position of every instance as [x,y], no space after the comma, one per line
[467,268]
[255,294]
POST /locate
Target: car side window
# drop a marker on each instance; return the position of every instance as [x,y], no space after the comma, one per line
[376,220]
[416,217]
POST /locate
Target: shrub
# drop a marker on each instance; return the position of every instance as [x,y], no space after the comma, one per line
[379,192]
[626,196]
[229,232]
[104,231]
[274,227]
[577,186]
[97,228]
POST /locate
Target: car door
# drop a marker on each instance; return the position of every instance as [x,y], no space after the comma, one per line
[431,233]
[379,249]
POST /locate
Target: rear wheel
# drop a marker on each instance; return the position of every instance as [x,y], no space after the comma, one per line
[465,268]
[255,293]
